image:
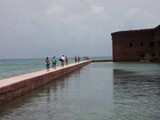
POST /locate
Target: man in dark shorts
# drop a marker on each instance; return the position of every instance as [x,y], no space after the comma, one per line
[47,61]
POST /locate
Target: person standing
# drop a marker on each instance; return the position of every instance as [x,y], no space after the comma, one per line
[78,59]
[62,60]
[54,61]
[47,61]
[66,60]
[75,58]
[84,58]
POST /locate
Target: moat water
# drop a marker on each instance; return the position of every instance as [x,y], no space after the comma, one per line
[98,91]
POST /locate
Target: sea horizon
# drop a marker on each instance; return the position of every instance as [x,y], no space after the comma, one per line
[56,57]
[13,67]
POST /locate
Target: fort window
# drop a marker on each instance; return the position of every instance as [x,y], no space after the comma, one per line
[142,56]
[141,44]
[153,55]
[151,44]
[130,45]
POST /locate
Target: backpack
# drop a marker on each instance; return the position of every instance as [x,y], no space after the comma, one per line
[53,61]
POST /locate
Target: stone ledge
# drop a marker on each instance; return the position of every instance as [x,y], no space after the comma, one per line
[13,87]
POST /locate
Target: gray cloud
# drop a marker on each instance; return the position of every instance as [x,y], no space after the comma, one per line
[39,28]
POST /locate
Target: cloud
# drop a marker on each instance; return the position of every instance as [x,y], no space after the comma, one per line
[97,9]
[55,10]
[43,28]
[138,15]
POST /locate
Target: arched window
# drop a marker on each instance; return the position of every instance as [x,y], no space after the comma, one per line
[130,45]
[142,55]
[141,44]
[151,44]
[153,55]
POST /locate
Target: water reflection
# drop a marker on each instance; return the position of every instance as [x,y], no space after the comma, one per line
[136,95]
[99,91]
[83,94]
[49,93]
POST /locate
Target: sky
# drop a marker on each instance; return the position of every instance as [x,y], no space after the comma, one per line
[41,28]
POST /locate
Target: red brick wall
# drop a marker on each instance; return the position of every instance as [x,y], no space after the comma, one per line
[131,45]
[13,91]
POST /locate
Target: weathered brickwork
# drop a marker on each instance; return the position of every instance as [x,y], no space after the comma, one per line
[136,45]
[15,90]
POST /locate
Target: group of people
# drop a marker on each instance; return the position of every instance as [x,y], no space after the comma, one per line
[85,58]
[63,60]
[54,61]
[77,59]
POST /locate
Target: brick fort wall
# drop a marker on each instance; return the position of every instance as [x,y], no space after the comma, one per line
[136,45]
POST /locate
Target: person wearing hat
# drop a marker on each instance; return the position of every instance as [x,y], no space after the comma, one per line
[54,61]
[62,59]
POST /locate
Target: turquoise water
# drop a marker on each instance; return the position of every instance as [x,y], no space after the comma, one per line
[98,91]
[19,66]
[101,58]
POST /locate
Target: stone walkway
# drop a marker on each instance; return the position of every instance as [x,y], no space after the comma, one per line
[15,79]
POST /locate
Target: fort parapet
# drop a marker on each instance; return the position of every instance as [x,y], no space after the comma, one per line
[136,45]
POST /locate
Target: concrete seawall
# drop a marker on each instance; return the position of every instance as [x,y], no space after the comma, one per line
[102,61]
[13,87]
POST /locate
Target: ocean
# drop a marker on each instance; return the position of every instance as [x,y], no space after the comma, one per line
[97,91]
[12,67]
